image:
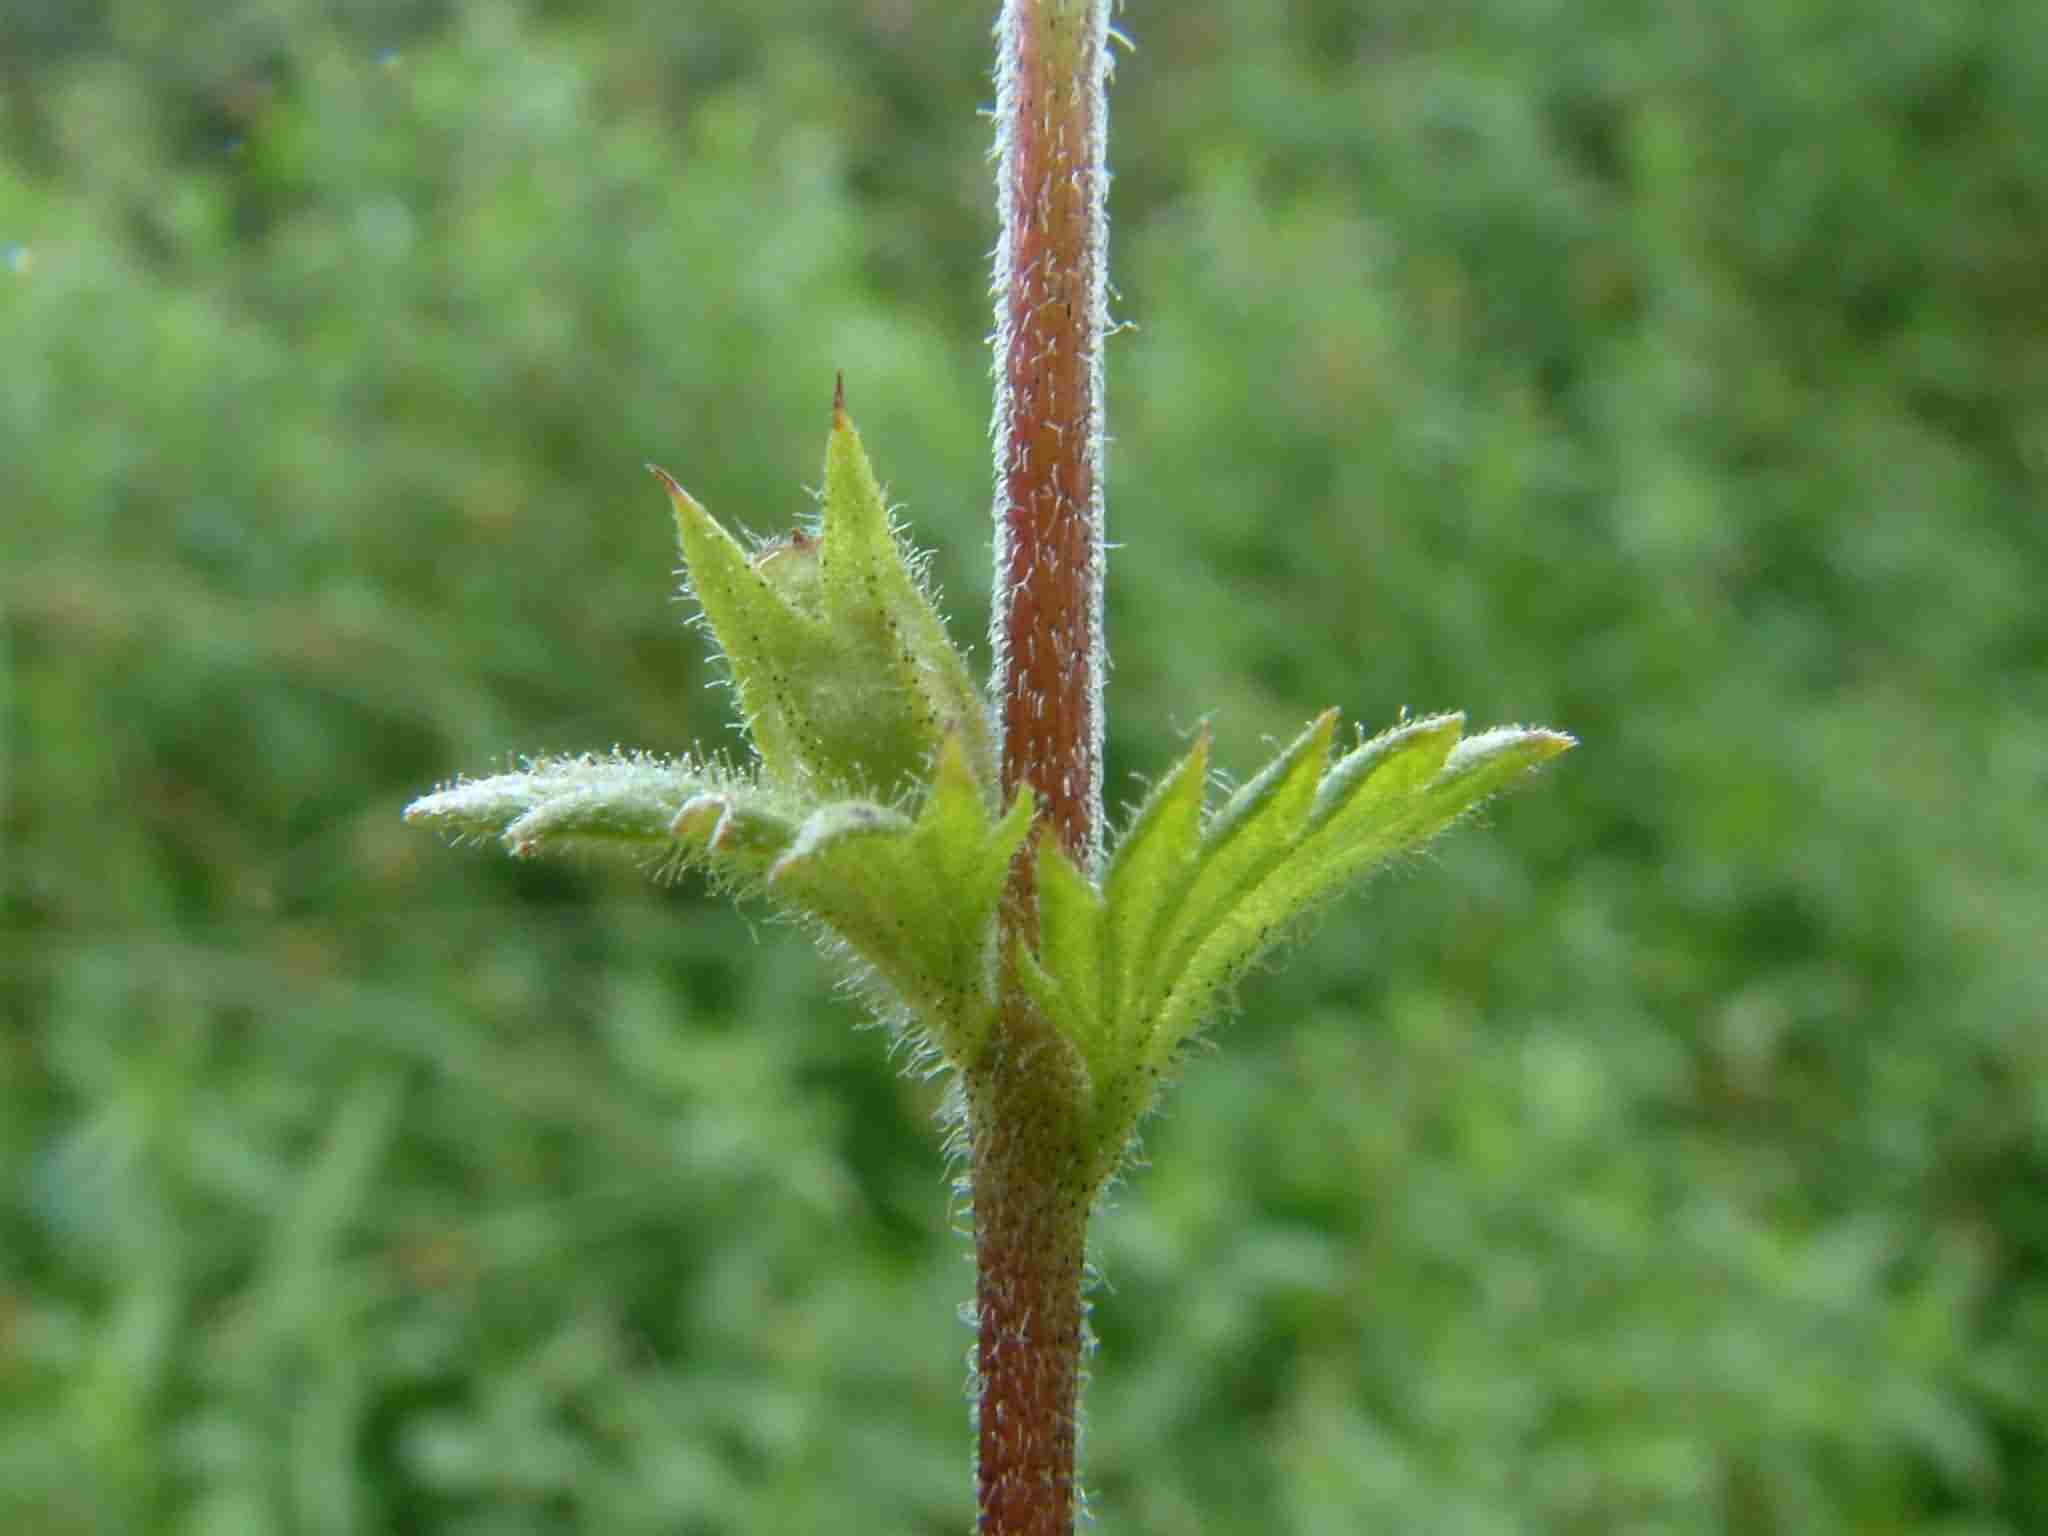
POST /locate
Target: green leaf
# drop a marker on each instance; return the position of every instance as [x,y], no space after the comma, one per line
[1412,783]
[683,813]
[1381,801]
[874,580]
[846,677]
[1148,876]
[1481,766]
[1065,974]
[1186,908]
[785,668]
[561,801]
[1252,834]
[1385,770]
[740,835]
[915,898]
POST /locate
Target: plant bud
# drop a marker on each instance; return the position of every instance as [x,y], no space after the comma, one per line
[846,677]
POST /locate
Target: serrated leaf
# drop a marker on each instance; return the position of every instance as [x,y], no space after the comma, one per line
[915,897]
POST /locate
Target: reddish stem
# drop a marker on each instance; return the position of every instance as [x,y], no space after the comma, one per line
[1049,324]
[1031,1197]
[1030,1226]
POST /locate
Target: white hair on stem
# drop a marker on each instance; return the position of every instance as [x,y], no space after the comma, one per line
[1025,31]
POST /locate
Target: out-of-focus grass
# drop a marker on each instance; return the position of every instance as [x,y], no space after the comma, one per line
[1665,1157]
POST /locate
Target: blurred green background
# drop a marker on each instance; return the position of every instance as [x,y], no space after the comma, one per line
[1669,1155]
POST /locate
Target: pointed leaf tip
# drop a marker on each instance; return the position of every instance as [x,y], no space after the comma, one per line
[844,671]
[1481,766]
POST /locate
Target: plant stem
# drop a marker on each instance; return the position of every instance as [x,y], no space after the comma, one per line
[1051,303]
[1030,1228]
[1030,1196]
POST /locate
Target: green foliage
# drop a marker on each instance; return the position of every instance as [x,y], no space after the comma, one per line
[847,680]
[1129,972]
[918,900]
[1667,1158]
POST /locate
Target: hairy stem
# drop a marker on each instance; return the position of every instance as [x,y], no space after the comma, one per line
[1031,1198]
[1051,302]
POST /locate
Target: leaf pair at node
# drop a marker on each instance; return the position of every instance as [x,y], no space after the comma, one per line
[872,809]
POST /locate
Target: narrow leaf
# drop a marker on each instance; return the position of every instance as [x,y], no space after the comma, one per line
[1387,768]
[1386,818]
[623,799]
[1256,829]
[871,584]
[1388,807]
[769,645]
[1481,766]
[1066,972]
[1148,876]
[588,818]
